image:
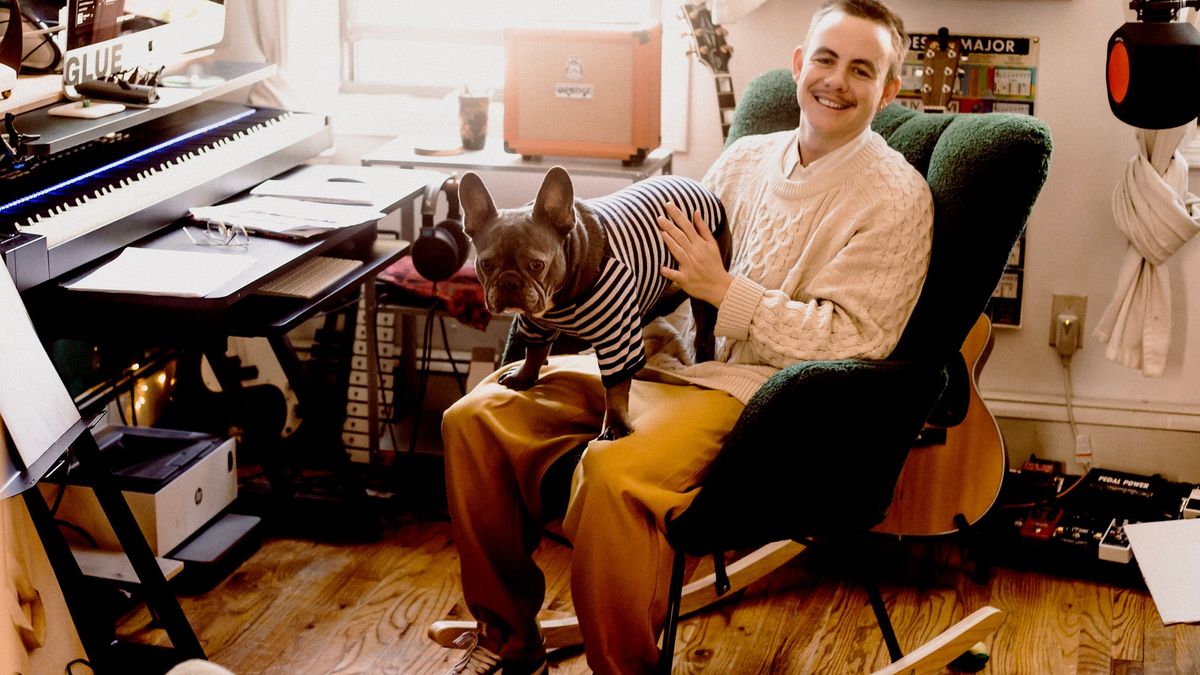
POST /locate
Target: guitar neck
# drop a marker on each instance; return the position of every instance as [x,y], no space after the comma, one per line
[725,101]
[708,45]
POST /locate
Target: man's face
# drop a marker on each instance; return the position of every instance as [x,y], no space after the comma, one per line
[842,80]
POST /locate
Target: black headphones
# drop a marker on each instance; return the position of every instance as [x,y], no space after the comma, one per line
[440,250]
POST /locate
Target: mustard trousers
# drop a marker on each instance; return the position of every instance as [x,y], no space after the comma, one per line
[499,443]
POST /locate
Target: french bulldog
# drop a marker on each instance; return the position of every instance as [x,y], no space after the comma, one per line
[589,269]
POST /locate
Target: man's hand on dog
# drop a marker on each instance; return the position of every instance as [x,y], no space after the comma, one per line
[701,273]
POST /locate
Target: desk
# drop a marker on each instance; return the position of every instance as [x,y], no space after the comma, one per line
[204,324]
[492,157]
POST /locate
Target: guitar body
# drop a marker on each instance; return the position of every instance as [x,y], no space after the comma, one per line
[957,469]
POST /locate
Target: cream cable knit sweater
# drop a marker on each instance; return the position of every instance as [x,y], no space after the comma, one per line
[826,266]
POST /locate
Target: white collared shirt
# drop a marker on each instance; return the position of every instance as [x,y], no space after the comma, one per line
[794,169]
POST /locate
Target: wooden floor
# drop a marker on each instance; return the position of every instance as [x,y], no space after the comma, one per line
[298,605]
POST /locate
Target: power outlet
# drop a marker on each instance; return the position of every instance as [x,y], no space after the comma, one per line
[1065,305]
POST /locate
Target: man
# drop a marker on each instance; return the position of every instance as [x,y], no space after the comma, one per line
[831,233]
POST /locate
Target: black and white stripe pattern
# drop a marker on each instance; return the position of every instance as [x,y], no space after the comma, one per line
[610,317]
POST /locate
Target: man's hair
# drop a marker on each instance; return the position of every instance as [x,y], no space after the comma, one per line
[875,12]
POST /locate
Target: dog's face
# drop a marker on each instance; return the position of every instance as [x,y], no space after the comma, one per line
[520,255]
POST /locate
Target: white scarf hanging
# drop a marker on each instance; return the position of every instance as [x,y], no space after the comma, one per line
[1158,215]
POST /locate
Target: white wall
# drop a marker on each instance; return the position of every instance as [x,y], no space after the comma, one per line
[1136,423]
[1073,245]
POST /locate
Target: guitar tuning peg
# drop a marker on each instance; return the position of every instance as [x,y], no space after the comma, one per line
[704,50]
[720,30]
[726,49]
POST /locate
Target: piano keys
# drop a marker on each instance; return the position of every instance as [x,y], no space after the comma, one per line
[62,211]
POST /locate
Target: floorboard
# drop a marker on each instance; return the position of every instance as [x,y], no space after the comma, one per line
[300,606]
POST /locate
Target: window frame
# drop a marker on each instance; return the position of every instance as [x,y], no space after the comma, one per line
[349,34]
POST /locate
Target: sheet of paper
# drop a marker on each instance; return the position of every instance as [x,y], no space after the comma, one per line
[329,192]
[34,403]
[189,274]
[1168,554]
[289,217]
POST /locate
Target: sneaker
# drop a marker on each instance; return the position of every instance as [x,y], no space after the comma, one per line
[483,661]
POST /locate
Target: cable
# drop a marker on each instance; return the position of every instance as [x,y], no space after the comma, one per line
[78,530]
[62,487]
[1043,502]
[1070,406]
[133,399]
[121,411]
[338,308]
[459,379]
[423,378]
[1083,443]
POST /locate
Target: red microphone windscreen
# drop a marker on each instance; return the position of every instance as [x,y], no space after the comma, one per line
[1153,74]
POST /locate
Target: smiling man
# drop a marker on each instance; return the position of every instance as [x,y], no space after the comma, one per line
[831,233]
[847,69]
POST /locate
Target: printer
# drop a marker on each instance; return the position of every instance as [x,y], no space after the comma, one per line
[174,481]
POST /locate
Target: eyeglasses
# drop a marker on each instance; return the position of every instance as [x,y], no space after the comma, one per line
[216,233]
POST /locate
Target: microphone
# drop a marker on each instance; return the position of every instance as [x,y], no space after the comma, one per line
[1153,67]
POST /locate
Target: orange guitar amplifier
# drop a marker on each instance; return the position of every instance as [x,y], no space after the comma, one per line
[583,90]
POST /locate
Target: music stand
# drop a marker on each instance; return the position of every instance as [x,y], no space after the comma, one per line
[40,423]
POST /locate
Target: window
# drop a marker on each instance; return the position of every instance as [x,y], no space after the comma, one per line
[428,48]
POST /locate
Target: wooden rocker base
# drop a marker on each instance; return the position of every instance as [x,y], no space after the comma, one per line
[935,655]
[697,595]
[931,657]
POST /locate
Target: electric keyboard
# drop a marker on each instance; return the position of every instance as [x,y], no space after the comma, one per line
[63,211]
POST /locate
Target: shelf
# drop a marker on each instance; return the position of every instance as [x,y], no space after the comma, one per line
[60,133]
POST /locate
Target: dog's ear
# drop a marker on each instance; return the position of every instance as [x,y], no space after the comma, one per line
[478,208]
[555,201]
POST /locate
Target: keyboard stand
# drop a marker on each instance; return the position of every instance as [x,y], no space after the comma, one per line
[202,325]
[251,320]
[108,655]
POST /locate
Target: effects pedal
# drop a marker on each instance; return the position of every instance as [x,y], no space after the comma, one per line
[1080,531]
[1041,525]
[1114,547]
[1191,505]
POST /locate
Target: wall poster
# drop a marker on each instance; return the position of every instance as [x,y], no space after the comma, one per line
[996,73]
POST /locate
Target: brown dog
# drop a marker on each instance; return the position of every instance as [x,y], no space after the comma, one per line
[587,268]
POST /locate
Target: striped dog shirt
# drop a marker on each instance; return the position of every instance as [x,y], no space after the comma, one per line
[609,317]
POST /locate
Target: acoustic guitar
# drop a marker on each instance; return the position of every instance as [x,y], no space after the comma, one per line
[708,44]
[953,474]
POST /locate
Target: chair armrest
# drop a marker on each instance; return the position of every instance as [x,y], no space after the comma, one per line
[817,451]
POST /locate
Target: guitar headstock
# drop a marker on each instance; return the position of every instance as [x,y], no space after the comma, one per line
[943,55]
[708,39]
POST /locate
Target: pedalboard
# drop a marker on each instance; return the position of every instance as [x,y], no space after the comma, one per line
[1075,525]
